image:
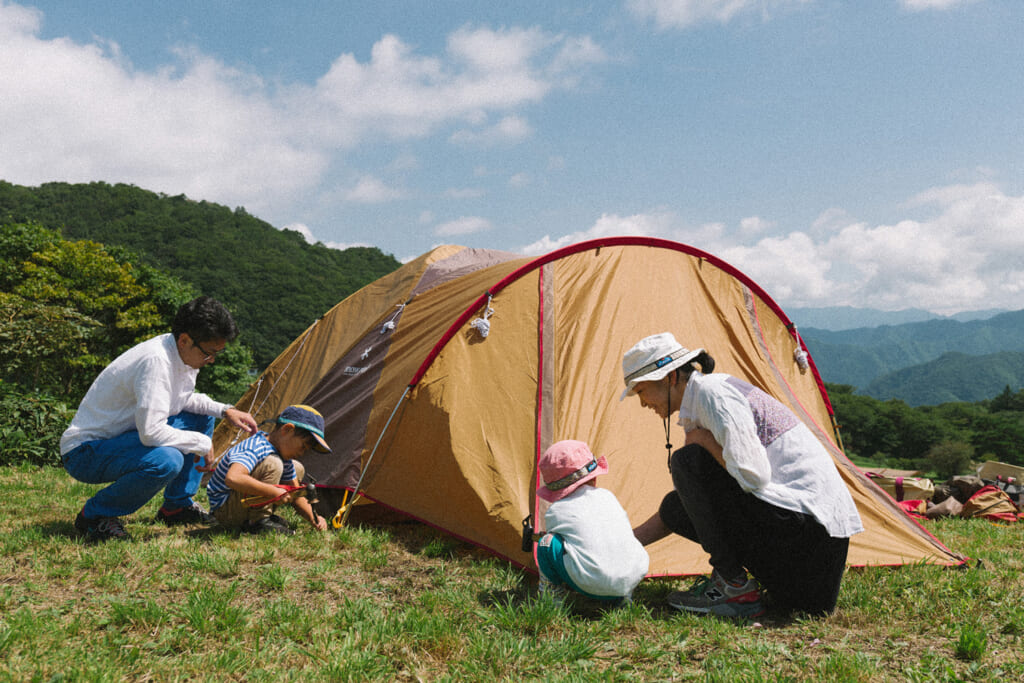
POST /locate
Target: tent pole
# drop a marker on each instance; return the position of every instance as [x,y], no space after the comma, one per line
[341,516]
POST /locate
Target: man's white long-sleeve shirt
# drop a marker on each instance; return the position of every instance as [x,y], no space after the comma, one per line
[141,389]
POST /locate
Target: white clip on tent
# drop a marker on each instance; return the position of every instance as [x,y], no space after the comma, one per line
[443,382]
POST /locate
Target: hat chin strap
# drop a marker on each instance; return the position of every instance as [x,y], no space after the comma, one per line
[668,422]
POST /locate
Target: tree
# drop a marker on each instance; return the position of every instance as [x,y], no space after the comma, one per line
[916,432]
[44,347]
[273,281]
[1007,400]
[1000,436]
[866,426]
[950,458]
[69,308]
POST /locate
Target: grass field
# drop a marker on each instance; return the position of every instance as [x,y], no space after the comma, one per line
[399,601]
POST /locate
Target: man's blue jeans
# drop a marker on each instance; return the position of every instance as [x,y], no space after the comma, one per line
[138,472]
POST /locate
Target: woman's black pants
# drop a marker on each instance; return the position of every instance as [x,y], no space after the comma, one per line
[790,554]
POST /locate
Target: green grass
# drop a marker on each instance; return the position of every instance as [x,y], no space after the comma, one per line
[399,601]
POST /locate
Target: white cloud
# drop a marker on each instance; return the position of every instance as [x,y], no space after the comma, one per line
[680,14]
[463,193]
[342,246]
[519,180]
[16,20]
[400,94]
[80,112]
[370,190]
[509,129]
[404,162]
[606,226]
[754,225]
[467,225]
[830,220]
[789,268]
[918,5]
[303,230]
[965,251]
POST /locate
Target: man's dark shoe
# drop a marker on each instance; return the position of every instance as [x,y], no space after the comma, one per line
[190,515]
[99,529]
[267,525]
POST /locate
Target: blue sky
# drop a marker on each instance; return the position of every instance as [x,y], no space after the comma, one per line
[866,153]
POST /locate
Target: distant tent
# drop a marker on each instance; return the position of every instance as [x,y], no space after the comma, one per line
[442,382]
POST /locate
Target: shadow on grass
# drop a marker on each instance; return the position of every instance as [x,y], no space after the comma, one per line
[59,530]
[207,533]
[514,597]
[526,595]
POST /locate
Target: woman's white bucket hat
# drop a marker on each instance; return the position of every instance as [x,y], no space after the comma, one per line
[652,358]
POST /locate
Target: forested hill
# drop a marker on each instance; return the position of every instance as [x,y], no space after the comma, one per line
[952,377]
[903,361]
[273,281]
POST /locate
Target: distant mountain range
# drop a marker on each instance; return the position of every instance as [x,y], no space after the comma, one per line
[836,318]
[952,377]
[970,357]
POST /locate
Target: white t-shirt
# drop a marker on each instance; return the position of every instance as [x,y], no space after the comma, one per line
[141,389]
[769,451]
[602,556]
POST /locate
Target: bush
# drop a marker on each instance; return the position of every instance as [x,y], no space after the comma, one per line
[950,458]
[31,426]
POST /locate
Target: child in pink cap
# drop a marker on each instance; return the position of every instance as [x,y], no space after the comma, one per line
[589,546]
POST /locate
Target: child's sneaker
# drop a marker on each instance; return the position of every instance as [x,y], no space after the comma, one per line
[714,595]
[99,529]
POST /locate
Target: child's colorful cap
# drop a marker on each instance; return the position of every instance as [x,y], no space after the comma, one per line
[309,419]
[565,466]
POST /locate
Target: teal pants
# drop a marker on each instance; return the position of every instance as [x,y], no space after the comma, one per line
[550,563]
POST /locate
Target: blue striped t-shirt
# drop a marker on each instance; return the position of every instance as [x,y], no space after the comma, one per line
[249,453]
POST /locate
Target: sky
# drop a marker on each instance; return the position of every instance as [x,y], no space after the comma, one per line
[864,153]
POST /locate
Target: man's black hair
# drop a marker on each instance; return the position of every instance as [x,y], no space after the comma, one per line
[204,318]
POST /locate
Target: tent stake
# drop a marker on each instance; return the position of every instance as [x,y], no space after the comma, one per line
[341,516]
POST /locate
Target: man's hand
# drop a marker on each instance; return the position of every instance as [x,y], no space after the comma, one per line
[209,464]
[241,419]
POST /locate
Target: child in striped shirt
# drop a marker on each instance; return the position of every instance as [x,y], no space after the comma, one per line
[256,469]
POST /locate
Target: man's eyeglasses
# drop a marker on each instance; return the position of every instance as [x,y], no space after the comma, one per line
[209,356]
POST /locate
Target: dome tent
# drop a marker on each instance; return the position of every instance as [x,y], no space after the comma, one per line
[443,382]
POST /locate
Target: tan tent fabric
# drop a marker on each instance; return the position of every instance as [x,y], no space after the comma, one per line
[445,424]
